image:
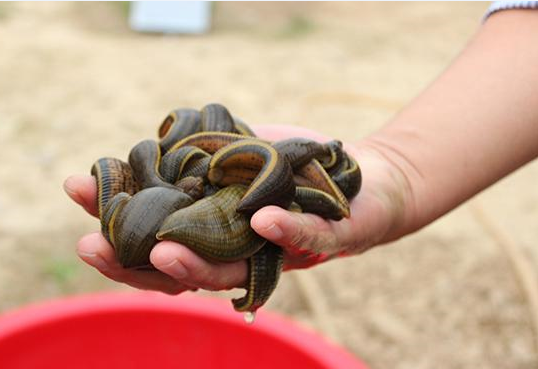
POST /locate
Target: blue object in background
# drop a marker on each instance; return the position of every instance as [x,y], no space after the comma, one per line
[170,16]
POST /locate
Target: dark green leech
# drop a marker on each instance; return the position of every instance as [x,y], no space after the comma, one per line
[314,175]
[264,268]
[145,159]
[264,265]
[179,124]
[336,158]
[213,228]
[216,117]
[350,178]
[299,151]
[110,212]
[197,167]
[294,207]
[132,223]
[272,186]
[112,177]
[173,163]
[318,202]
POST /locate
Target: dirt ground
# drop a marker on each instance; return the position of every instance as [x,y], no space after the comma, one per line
[76,84]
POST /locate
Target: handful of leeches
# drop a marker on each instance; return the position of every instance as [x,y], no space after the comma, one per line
[200,183]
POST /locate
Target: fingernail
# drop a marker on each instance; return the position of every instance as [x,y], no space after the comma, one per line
[71,192]
[273,232]
[95,260]
[175,269]
[67,186]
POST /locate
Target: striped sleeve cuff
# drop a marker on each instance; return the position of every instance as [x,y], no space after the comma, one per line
[503,5]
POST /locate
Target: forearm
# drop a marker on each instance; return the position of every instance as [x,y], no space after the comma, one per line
[475,124]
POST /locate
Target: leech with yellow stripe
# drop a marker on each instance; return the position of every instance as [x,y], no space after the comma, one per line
[272,186]
[200,184]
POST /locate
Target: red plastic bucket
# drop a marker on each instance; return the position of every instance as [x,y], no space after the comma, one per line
[150,330]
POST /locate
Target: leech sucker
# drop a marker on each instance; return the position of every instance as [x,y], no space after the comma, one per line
[179,124]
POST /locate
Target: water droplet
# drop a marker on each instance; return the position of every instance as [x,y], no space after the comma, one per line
[249,317]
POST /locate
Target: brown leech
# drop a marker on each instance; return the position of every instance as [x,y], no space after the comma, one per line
[210,142]
[192,186]
[217,226]
[112,176]
[273,185]
[179,124]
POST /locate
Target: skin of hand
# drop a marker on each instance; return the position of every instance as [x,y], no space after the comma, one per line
[306,238]
[472,126]
[475,124]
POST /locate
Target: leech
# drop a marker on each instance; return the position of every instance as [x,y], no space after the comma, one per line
[203,180]
[273,185]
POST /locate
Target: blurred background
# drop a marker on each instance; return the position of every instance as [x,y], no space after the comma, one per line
[76,84]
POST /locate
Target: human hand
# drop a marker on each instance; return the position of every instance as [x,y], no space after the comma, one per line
[178,268]
[307,239]
[377,212]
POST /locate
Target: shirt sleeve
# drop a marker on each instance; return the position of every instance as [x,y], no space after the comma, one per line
[504,5]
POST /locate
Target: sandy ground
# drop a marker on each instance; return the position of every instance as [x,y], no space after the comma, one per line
[76,84]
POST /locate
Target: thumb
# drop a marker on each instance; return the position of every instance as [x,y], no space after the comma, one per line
[307,238]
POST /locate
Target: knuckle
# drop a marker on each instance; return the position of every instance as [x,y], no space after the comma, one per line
[299,239]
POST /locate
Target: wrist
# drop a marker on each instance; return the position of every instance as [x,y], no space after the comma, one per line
[392,181]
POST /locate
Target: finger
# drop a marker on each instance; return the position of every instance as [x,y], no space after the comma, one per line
[185,266]
[306,238]
[83,190]
[97,252]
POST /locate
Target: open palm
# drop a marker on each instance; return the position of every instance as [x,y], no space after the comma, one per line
[307,239]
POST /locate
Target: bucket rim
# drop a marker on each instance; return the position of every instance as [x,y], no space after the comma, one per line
[284,329]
